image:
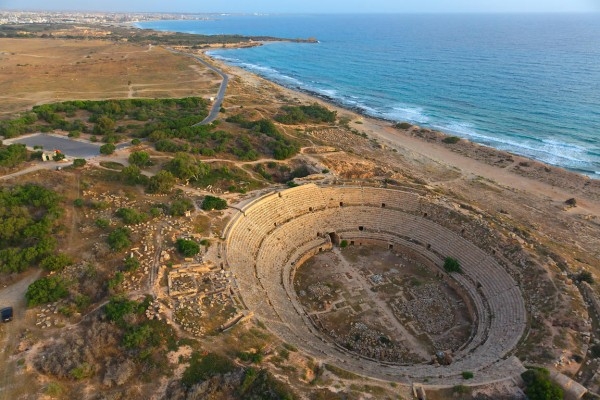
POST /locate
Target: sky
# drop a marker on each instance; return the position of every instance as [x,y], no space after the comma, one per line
[308,6]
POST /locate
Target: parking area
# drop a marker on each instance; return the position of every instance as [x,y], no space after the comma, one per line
[70,147]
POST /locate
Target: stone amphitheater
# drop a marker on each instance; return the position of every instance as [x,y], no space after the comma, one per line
[271,236]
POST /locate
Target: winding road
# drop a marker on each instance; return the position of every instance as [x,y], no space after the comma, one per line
[214,112]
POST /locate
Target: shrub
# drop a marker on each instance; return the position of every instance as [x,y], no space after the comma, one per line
[107,148]
[188,248]
[585,276]
[119,239]
[102,223]
[452,265]
[461,389]
[83,371]
[58,156]
[131,216]
[46,290]
[139,158]
[467,375]
[402,125]
[78,202]
[118,307]
[131,264]
[136,142]
[79,162]
[344,243]
[539,385]
[451,139]
[56,262]
[213,203]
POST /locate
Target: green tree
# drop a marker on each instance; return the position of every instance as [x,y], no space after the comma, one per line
[119,239]
[56,262]
[213,203]
[139,158]
[131,264]
[58,156]
[46,290]
[12,155]
[188,248]
[107,149]
[132,175]
[79,162]
[539,385]
[162,182]
[131,216]
[104,125]
[186,167]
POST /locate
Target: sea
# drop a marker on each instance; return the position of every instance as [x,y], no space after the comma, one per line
[528,84]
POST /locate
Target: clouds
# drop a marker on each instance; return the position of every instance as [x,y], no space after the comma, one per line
[310,6]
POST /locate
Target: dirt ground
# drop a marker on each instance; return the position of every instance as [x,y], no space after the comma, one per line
[38,71]
[365,292]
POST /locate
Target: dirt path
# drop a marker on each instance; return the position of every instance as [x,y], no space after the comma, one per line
[13,295]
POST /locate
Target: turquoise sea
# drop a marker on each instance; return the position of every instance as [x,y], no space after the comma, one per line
[528,84]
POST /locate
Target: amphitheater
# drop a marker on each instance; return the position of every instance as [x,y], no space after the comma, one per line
[274,234]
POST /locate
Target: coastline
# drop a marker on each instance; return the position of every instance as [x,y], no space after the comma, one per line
[474,160]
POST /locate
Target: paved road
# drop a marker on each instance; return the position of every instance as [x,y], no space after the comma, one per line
[214,112]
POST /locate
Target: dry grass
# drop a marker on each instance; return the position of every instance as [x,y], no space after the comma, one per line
[37,71]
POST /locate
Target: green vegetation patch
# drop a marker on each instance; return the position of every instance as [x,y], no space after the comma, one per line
[314,113]
[29,215]
[46,290]
[187,248]
[12,155]
[539,386]
[203,367]
[213,203]
[278,145]
[452,265]
[451,140]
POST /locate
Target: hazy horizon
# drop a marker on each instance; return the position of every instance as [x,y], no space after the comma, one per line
[311,6]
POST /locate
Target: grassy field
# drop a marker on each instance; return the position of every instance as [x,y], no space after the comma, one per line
[38,71]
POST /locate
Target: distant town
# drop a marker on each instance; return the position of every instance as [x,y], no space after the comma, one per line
[70,17]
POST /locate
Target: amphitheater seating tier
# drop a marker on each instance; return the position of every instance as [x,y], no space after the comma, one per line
[274,231]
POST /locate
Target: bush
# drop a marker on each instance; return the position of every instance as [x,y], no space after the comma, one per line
[188,248]
[131,264]
[539,385]
[344,243]
[452,265]
[585,276]
[136,142]
[119,239]
[402,125]
[451,139]
[46,290]
[102,223]
[467,375]
[78,202]
[213,203]
[139,158]
[131,216]
[118,307]
[56,262]
[107,149]
[79,162]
